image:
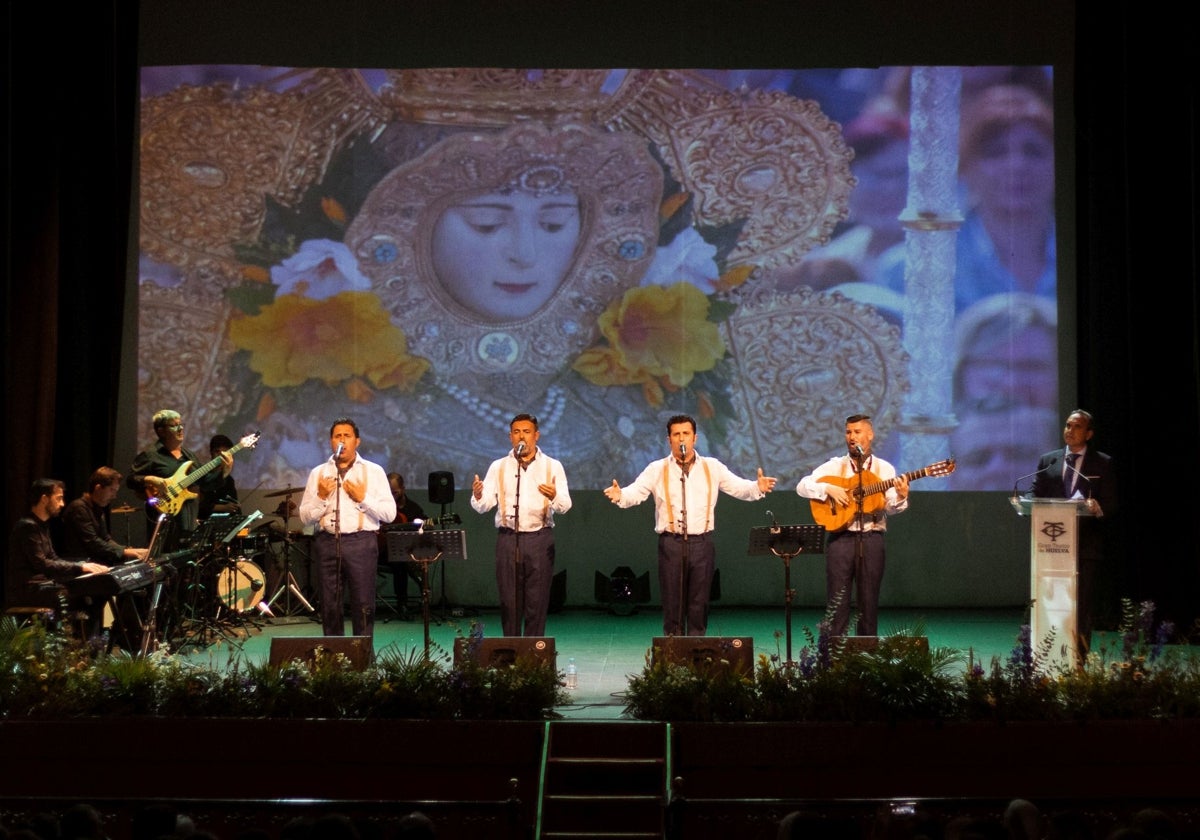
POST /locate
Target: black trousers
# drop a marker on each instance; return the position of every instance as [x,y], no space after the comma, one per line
[685,573]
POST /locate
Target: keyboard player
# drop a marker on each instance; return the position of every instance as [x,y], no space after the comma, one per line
[34,574]
[86,535]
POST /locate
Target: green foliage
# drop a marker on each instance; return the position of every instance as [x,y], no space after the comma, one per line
[1144,673]
[902,679]
[44,675]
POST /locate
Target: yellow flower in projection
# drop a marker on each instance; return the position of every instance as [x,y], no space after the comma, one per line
[603,366]
[295,339]
[664,331]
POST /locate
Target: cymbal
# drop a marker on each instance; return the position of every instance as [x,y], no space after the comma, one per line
[125,509]
[287,491]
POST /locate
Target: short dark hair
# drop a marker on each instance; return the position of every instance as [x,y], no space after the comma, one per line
[681,418]
[220,440]
[43,487]
[103,477]
[1086,415]
[522,417]
[344,421]
[859,418]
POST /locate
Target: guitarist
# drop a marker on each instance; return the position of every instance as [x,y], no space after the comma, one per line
[152,467]
[855,554]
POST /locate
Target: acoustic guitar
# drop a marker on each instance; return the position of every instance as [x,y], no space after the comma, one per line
[169,495]
[828,513]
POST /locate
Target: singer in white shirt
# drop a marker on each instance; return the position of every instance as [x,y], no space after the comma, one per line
[346,498]
[526,488]
[855,555]
[685,488]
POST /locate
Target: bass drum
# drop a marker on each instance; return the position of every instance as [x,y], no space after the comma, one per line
[240,585]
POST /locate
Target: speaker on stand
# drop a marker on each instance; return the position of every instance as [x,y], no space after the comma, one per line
[441,492]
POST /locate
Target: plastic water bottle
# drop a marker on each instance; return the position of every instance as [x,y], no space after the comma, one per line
[572,680]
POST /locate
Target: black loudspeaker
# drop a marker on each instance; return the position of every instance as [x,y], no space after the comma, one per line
[703,652]
[558,592]
[305,648]
[501,651]
[441,488]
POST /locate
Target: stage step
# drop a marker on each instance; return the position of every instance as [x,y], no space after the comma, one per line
[604,780]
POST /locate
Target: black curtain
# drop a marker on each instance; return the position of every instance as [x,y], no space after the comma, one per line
[71,127]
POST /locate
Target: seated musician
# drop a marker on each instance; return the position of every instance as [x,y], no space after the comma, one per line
[168,461]
[86,535]
[406,511]
[85,523]
[34,573]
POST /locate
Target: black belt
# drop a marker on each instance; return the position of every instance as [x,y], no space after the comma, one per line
[704,535]
[511,531]
[332,535]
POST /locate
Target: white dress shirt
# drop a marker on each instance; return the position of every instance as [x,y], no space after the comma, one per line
[706,479]
[500,489]
[378,506]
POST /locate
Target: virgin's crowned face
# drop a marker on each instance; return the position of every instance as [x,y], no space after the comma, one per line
[504,255]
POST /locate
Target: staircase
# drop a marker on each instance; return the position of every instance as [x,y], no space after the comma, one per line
[604,779]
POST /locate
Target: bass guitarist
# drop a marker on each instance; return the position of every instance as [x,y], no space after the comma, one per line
[854,553]
[154,467]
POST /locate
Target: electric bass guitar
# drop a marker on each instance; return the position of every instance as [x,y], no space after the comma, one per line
[169,495]
[834,517]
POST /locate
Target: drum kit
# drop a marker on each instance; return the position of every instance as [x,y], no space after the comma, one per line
[224,590]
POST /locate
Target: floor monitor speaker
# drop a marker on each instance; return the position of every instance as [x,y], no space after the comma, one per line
[499,651]
[736,652]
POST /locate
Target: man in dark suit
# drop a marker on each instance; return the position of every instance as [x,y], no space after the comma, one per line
[1082,471]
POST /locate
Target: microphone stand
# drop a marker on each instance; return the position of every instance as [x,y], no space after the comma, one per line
[519,603]
[684,556]
[859,544]
[337,536]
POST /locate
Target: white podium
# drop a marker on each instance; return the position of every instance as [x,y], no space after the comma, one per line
[1053,548]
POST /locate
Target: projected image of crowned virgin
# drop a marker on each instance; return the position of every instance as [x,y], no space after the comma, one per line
[496,254]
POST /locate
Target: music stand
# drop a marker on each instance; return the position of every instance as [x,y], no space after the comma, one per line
[787,541]
[426,547]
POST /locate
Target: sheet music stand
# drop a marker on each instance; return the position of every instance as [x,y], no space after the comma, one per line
[787,541]
[426,548]
[243,525]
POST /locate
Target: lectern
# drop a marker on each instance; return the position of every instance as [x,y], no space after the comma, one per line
[1053,571]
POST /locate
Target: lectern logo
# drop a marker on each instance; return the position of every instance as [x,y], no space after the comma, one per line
[1054,530]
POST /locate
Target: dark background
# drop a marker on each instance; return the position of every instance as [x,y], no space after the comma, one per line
[1127,168]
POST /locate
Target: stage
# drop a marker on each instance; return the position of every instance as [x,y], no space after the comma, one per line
[608,648]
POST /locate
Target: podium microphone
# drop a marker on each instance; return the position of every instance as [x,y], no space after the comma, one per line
[1022,478]
[1087,478]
